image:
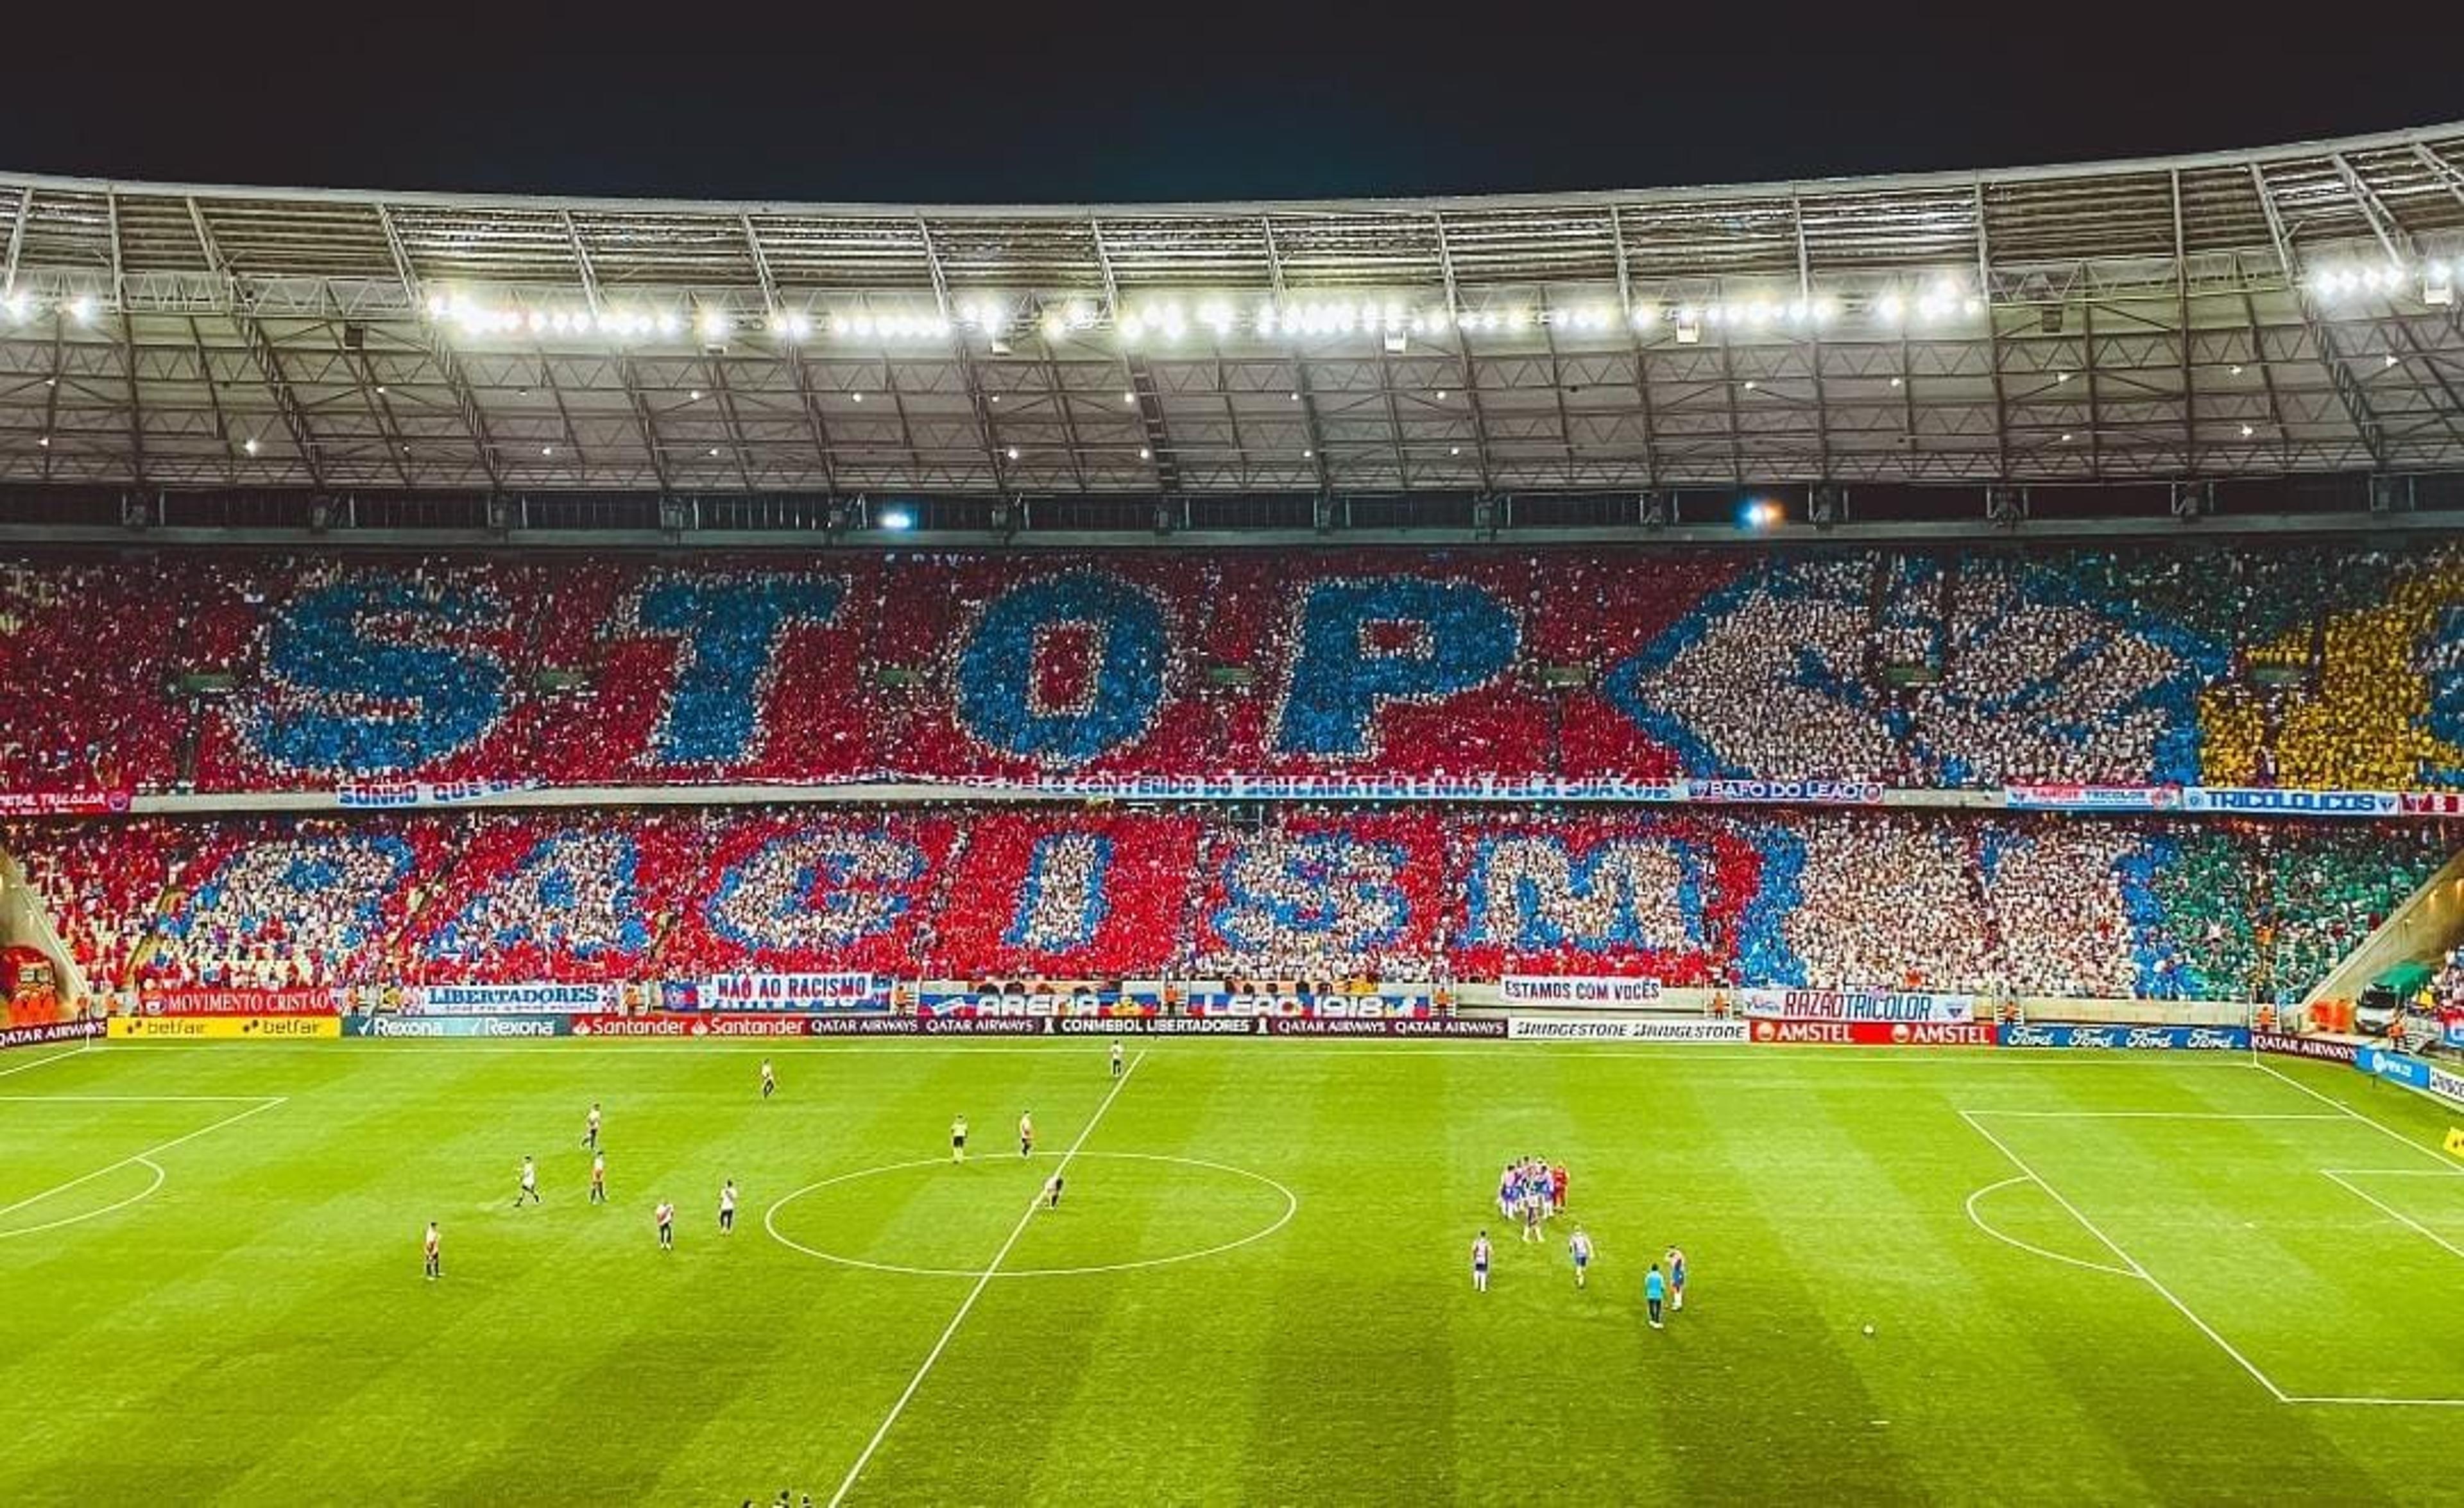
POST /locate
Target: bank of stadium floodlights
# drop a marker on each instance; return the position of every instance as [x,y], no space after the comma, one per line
[2269,312]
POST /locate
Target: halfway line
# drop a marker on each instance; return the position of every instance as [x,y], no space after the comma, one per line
[983,1282]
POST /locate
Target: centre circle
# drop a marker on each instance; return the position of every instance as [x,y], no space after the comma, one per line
[1186,1208]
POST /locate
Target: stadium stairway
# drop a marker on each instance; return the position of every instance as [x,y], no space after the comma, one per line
[24,923]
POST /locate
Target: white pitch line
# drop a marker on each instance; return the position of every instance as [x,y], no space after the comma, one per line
[2380,1126]
[2004,1237]
[258,1108]
[40,1062]
[2391,1211]
[983,1282]
[2386,1403]
[2154,1115]
[130,1099]
[146,1192]
[2115,1247]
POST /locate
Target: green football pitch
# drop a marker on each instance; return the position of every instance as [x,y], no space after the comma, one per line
[2089,1278]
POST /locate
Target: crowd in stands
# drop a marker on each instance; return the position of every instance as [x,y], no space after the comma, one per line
[2173,664]
[1927,900]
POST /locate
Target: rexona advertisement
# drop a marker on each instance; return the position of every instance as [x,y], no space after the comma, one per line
[1856,1005]
[1874,1034]
[236,1029]
[2137,1039]
[471,1026]
[794,992]
[1677,1033]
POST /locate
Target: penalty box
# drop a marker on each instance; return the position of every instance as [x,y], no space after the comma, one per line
[75,1157]
[2306,1246]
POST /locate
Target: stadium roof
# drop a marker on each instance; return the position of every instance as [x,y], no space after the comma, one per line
[2258,312]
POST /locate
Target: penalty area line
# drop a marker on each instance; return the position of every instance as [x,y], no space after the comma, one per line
[2388,1209]
[151,1152]
[983,1281]
[19,1068]
[2137,1268]
[2375,1124]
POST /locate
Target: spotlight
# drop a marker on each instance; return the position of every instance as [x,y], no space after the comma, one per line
[897,520]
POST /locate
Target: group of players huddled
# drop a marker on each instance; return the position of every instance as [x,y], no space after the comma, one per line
[1530,1192]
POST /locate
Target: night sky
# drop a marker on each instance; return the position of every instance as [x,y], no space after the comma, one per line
[1154,125]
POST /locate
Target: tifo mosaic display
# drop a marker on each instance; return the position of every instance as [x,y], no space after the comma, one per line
[2050,905]
[2221,666]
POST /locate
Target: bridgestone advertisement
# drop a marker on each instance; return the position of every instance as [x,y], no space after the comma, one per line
[1682,1033]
